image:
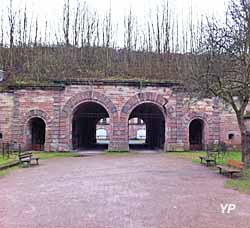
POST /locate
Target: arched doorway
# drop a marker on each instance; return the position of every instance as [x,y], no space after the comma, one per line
[154,119]
[85,119]
[136,128]
[196,134]
[37,132]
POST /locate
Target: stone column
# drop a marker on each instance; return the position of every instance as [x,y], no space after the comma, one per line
[119,136]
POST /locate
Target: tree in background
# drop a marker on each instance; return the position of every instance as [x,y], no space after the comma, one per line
[220,65]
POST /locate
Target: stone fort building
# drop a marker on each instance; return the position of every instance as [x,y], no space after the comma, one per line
[65,116]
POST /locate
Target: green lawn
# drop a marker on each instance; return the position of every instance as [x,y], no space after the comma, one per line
[194,156]
[241,184]
[41,155]
[5,160]
[48,155]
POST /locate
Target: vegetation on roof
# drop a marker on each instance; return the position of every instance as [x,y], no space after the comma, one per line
[42,66]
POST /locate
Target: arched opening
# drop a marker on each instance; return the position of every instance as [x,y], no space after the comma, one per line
[136,129]
[36,136]
[87,116]
[141,134]
[101,134]
[196,134]
[153,120]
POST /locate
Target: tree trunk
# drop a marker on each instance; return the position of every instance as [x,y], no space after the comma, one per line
[245,141]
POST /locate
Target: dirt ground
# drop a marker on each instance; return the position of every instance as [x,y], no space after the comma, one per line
[119,191]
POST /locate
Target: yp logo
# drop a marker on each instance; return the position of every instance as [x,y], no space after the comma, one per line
[227,208]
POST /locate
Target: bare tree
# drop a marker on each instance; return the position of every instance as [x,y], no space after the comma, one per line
[36,33]
[11,17]
[76,26]
[128,35]
[221,65]
[1,32]
[66,21]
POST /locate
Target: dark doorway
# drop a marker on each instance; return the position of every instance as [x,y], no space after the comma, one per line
[85,119]
[153,118]
[37,128]
[196,138]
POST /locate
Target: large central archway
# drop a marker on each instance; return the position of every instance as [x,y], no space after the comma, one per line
[154,120]
[86,116]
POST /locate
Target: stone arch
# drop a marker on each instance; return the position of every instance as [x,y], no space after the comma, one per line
[73,103]
[93,96]
[140,99]
[36,113]
[32,114]
[206,120]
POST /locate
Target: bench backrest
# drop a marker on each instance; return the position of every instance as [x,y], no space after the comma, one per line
[236,164]
[25,155]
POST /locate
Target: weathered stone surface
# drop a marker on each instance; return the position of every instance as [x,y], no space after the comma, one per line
[56,108]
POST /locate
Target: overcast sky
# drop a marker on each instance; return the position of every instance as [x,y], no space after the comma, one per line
[51,10]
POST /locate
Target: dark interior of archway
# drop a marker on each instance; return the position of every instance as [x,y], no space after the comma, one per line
[85,119]
[196,134]
[155,126]
[38,128]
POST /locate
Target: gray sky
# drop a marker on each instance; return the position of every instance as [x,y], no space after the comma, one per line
[51,10]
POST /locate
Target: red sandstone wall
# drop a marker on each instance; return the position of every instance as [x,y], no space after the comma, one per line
[6,111]
[35,103]
[56,108]
[229,125]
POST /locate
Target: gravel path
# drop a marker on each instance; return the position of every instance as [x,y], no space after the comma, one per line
[112,191]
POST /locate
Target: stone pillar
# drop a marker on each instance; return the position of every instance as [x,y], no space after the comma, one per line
[175,127]
[17,134]
[119,137]
[214,128]
[53,129]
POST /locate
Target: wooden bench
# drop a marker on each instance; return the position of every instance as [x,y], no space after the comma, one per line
[209,158]
[27,157]
[231,167]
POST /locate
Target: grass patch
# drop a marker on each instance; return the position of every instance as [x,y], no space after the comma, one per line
[5,160]
[190,155]
[41,155]
[195,156]
[7,171]
[48,155]
[241,184]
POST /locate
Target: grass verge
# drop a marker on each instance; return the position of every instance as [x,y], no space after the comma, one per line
[7,171]
[5,160]
[49,155]
[41,155]
[241,184]
[195,156]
